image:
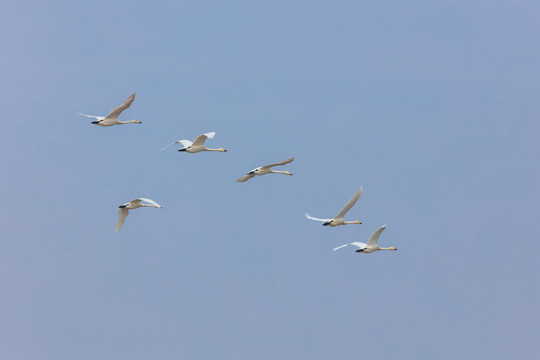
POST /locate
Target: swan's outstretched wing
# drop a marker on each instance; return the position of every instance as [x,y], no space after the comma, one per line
[199,140]
[357,244]
[316,219]
[279,163]
[374,239]
[174,143]
[245,177]
[339,247]
[92,116]
[151,202]
[350,204]
[185,143]
[122,215]
[116,112]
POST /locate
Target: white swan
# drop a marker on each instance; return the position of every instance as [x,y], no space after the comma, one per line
[372,244]
[263,170]
[112,118]
[133,204]
[339,219]
[197,145]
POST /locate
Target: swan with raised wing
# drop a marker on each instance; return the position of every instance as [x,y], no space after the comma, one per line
[339,219]
[197,145]
[112,118]
[123,210]
[267,169]
[372,244]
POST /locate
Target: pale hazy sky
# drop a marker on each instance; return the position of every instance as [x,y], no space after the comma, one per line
[431,106]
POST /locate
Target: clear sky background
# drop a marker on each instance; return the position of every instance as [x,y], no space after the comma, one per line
[431,106]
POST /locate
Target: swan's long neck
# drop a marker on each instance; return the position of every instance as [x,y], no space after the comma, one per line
[220,149]
[352,222]
[280,172]
[130,122]
[387,248]
[148,205]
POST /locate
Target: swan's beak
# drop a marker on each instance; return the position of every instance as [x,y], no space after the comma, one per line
[139,122]
[394,248]
[224,150]
[358,222]
[289,173]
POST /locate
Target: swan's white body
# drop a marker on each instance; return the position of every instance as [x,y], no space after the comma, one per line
[133,204]
[339,219]
[197,145]
[112,118]
[372,244]
[267,169]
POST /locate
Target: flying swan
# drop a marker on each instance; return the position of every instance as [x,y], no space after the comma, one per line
[133,204]
[112,118]
[372,244]
[263,170]
[339,219]
[197,145]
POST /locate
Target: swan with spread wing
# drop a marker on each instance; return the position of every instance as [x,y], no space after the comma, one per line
[339,219]
[267,169]
[197,145]
[123,210]
[112,118]
[372,244]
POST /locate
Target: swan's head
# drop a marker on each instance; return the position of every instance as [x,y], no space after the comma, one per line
[357,222]
[137,122]
[288,173]
[222,150]
[393,248]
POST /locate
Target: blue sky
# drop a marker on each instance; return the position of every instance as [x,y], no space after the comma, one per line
[432,107]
